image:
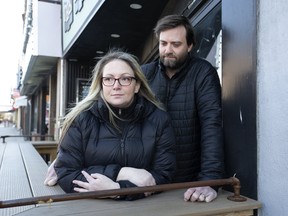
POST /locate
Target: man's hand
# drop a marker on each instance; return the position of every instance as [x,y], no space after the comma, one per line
[201,194]
[51,176]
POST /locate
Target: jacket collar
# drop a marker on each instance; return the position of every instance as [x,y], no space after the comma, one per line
[139,109]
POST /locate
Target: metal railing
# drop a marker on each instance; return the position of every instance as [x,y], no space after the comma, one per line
[126,191]
[4,137]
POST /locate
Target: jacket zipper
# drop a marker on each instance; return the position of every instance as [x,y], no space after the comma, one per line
[167,93]
[122,144]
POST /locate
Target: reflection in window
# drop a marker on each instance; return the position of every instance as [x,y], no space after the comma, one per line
[209,39]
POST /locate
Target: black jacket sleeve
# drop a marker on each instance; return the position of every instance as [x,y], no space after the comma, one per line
[210,114]
[130,197]
[164,162]
[70,161]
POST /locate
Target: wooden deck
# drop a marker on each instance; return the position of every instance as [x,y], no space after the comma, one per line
[22,173]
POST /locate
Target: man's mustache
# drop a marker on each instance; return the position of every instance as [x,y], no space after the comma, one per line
[170,55]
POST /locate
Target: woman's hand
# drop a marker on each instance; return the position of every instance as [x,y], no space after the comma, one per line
[201,194]
[51,176]
[139,177]
[95,182]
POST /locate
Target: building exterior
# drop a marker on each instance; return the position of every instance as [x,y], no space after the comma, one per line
[38,65]
[244,40]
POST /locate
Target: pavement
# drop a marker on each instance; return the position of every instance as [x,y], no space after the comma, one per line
[10,130]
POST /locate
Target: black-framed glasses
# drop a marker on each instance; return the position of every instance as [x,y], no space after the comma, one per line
[123,81]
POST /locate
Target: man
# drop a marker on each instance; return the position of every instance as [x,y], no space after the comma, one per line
[190,89]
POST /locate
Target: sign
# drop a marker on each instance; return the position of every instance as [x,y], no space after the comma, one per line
[82,88]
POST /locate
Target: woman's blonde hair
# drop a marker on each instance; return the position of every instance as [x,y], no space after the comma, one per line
[95,90]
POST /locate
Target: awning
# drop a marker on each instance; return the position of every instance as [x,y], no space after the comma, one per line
[20,101]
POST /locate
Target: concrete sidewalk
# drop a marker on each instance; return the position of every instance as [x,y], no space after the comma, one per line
[10,131]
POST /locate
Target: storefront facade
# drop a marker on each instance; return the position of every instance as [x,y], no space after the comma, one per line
[228,35]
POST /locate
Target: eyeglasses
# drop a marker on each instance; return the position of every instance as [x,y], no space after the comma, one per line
[123,81]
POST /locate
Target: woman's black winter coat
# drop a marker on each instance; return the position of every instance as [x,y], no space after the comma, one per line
[93,144]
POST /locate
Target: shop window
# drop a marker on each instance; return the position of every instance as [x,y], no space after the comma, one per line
[208,35]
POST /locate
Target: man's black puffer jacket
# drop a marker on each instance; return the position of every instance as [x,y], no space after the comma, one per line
[94,145]
[193,99]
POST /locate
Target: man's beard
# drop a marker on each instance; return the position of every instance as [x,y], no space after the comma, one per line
[172,63]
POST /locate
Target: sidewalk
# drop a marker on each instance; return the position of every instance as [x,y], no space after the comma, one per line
[10,131]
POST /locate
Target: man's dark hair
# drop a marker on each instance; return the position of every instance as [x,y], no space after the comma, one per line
[173,21]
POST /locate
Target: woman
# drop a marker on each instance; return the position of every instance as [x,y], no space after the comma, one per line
[118,136]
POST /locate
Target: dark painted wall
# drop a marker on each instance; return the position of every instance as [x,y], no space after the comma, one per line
[239,92]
